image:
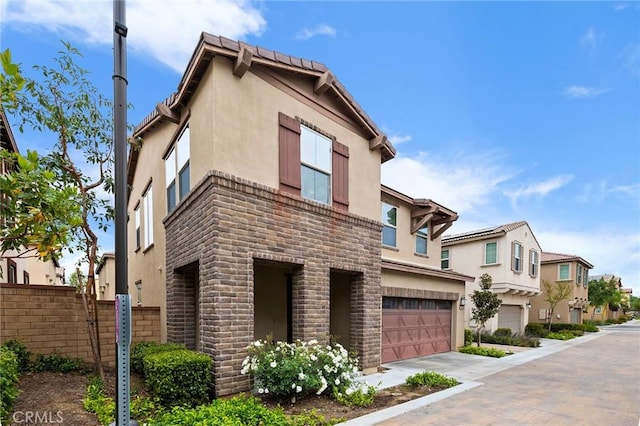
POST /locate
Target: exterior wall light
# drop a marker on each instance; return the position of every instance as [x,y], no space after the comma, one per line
[463,302]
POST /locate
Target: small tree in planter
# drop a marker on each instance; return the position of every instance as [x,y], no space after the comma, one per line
[486,304]
[554,294]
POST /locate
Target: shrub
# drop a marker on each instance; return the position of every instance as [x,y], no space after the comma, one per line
[178,377]
[536,329]
[513,340]
[503,332]
[556,327]
[356,396]
[431,379]
[140,350]
[475,350]
[8,382]
[20,349]
[469,336]
[291,370]
[56,363]
[622,319]
[560,336]
[576,333]
[590,327]
[95,401]
[237,411]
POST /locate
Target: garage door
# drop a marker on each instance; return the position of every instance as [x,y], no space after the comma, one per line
[510,316]
[414,327]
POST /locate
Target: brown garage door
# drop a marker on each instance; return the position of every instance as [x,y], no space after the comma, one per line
[414,327]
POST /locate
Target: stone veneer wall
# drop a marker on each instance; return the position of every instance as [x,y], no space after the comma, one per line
[226,223]
[51,319]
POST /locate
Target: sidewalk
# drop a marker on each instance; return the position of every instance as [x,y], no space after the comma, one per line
[466,368]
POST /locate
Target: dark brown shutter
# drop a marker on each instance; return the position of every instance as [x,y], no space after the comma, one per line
[289,135]
[340,166]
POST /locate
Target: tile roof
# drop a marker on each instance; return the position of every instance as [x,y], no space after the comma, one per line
[485,232]
[549,257]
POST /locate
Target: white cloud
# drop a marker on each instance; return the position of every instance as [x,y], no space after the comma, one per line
[540,188]
[166,31]
[321,29]
[591,41]
[619,6]
[609,252]
[461,183]
[583,92]
[399,139]
[631,58]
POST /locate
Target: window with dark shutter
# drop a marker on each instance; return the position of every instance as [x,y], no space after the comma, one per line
[289,137]
[340,187]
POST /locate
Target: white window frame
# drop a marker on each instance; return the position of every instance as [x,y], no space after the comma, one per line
[422,234]
[568,265]
[578,274]
[178,161]
[447,259]
[485,253]
[316,155]
[517,256]
[136,220]
[147,211]
[386,207]
[533,263]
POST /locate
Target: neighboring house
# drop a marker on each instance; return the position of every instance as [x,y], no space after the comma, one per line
[255,208]
[511,255]
[106,279]
[420,302]
[556,267]
[21,267]
[603,313]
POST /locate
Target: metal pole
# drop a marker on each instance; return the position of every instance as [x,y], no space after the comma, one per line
[123,302]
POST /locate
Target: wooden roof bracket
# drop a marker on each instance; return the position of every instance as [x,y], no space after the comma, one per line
[243,62]
[323,84]
[167,113]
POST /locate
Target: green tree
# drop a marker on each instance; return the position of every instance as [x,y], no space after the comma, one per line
[66,104]
[486,304]
[554,294]
[602,292]
[634,303]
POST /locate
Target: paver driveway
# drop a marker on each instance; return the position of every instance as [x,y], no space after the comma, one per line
[592,383]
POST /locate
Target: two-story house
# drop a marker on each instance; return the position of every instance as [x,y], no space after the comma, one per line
[603,313]
[255,208]
[510,253]
[106,279]
[421,312]
[554,268]
[22,266]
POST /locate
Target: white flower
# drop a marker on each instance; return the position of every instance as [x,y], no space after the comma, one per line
[313,357]
[349,391]
[257,343]
[337,382]
[301,376]
[298,389]
[273,364]
[260,390]
[313,342]
[266,390]
[293,385]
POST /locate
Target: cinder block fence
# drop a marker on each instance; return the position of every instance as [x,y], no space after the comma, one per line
[51,319]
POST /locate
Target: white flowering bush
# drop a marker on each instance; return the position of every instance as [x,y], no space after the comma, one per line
[292,370]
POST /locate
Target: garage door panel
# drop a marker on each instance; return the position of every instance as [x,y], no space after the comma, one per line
[510,316]
[410,333]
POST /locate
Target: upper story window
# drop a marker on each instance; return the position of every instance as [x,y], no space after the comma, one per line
[564,271]
[421,240]
[177,170]
[445,259]
[12,272]
[578,274]
[389,222]
[533,263]
[516,256]
[312,164]
[585,278]
[147,206]
[315,157]
[491,253]
[136,215]
[25,277]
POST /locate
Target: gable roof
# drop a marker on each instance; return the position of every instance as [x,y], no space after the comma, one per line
[245,56]
[485,233]
[548,257]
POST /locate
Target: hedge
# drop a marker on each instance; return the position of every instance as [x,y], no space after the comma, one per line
[140,350]
[8,382]
[178,377]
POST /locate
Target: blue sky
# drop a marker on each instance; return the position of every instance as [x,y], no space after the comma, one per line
[501,111]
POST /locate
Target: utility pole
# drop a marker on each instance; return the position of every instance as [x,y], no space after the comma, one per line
[123,300]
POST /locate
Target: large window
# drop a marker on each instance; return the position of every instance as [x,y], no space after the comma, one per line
[136,215]
[177,170]
[444,259]
[579,274]
[421,240]
[389,223]
[585,278]
[491,253]
[563,271]
[516,257]
[147,206]
[315,156]
[533,263]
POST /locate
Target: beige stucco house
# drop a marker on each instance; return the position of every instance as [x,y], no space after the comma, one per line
[603,313]
[23,267]
[106,280]
[558,267]
[509,253]
[255,210]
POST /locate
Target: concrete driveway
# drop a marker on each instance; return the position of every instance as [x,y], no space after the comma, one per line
[591,380]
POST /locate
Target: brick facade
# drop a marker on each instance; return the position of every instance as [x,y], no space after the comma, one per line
[226,224]
[51,319]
